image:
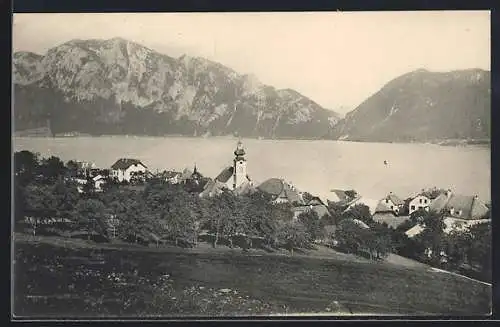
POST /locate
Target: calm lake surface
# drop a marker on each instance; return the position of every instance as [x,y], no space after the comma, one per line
[314,166]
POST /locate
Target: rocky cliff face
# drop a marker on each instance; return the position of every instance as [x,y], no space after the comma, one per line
[423,106]
[119,87]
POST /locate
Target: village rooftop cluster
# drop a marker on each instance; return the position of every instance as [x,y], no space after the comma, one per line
[460,211]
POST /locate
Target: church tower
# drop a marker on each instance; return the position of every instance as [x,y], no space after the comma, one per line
[239,166]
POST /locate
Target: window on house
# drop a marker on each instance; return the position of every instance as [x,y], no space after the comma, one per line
[392,207]
[420,200]
[412,207]
[425,201]
[386,200]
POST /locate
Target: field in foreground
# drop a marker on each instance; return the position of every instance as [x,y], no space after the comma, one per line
[83,282]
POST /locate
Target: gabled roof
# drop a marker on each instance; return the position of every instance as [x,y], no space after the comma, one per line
[383,207]
[419,195]
[361,223]
[439,203]
[212,188]
[343,198]
[316,201]
[225,175]
[340,194]
[464,206]
[395,199]
[125,163]
[280,189]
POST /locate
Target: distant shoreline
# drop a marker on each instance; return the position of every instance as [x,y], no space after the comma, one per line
[443,142]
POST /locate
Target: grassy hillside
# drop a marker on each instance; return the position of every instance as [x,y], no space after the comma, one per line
[54,280]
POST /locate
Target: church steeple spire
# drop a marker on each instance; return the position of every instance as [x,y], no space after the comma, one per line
[239,152]
[240,166]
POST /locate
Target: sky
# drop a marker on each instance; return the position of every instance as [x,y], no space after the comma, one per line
[338,59]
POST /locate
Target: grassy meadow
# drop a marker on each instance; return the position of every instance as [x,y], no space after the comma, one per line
[75,279]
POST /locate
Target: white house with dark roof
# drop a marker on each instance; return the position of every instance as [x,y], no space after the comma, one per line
[460,212]
[123,168]
[419,202]
[390,203]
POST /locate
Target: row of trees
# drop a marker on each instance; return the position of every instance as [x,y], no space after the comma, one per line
[175,213]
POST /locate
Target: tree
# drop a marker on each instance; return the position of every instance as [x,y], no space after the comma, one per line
[135,218]
[457,247]
[351,194]
[360,212]
[89,187]
[311,222]
[40,204]
[72,168]
[382,242]
[26,165]
[336,213]
[349,236]
[292,235]
[220,214]
[432,236]
[51,168]
[65,198]
[480,249]
[90,215]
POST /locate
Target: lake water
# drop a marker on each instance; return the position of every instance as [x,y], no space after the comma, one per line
[314,166]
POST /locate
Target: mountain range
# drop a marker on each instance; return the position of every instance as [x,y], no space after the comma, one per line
[120,87]
[423,106]
[117,86]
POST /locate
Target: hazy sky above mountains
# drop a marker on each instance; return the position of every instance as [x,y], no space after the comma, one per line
[336,59]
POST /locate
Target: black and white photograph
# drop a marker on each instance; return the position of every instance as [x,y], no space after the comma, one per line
[251,164]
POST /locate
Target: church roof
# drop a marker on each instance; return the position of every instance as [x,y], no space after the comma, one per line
[212,188]
[225,175]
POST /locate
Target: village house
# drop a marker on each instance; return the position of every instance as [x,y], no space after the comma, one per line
[419,202]
[98,182]
[457,206]
[281,191]
[389,210]
[123,168]
[315,204]
[460,212]
[172,177]
[391,202]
